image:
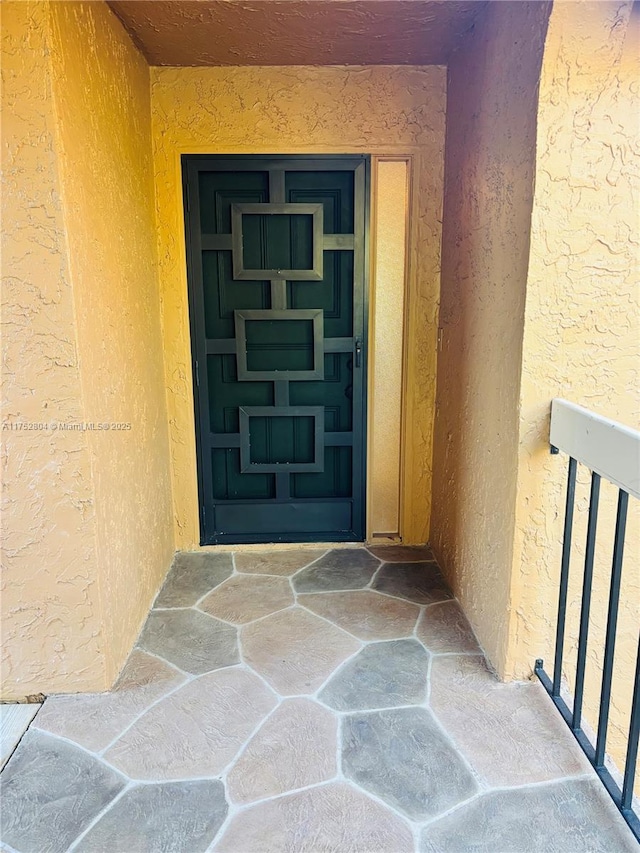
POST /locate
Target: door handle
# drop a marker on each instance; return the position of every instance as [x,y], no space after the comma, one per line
[358,352]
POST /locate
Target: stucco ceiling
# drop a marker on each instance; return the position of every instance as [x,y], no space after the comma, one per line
[296,32]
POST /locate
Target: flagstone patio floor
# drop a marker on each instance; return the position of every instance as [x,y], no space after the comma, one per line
[304,701]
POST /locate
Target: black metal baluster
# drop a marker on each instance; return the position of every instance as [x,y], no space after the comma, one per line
[586,599]
[632,747]
[564,576]
[623,798]
[612,622]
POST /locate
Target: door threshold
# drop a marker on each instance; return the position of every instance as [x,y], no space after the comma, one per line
[276,546]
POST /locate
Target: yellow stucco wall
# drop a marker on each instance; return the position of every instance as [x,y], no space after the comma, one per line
[377,110]
[86,346]
[490,160]
[110,218]
[540,298]
[51,614]
[88,519]
[582,331]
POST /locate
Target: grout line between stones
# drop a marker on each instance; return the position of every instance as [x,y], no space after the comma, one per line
[236,809]
[333,673]
[329,622]
[376,640]
[415,825]
[229,767]
[457,655]
[376,572]
[505,789]
[481,781]
[428,691]
[339,741]
[197,609]
[406,600]
[196,604]
[266,616]
[188,675]
[306,566]
[248,574]
[247,666]
[100,815]
[460,805]
[152,705]
[243,807]
[359,712]
[376,799]
[590,775]
[96,755]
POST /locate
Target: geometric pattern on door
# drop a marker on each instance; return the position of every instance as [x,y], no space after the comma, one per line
[276,276]
[312,317]
[237,241]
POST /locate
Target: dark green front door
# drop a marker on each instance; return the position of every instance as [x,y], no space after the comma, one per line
[276,263]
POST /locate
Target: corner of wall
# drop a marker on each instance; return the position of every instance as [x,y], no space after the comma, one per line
[582,326]
[52,632]
[88,533]
[110,227]
[489,175]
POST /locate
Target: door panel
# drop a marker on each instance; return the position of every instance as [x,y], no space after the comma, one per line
[277,305]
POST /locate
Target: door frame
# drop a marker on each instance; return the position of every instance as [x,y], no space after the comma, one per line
[233,162]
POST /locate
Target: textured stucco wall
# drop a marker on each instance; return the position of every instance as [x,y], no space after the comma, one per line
[110,218]
[377,110]
[582,330]
[89,529]
[51,614]
[489,172]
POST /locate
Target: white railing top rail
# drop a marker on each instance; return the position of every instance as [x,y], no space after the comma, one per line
[607,447]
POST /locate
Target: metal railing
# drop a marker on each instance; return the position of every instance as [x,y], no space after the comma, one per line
[610,451]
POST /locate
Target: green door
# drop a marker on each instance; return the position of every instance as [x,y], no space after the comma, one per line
[276,268]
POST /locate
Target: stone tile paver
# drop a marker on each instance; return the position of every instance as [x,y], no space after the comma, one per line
[367,614]
[197,731]
[382,675]
[95,719]
[444,628]
[243,598]
[295,748]
[170,817]
[191,640]
[402,553]
[510,733]
[51,791]
[575,816]
[295,650]
[419,582]
[351,568]
[333,818]
[191,576]
[275,562]
[189,741]
[402,757]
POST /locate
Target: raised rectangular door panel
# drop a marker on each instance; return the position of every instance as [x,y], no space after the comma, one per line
[276,269]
